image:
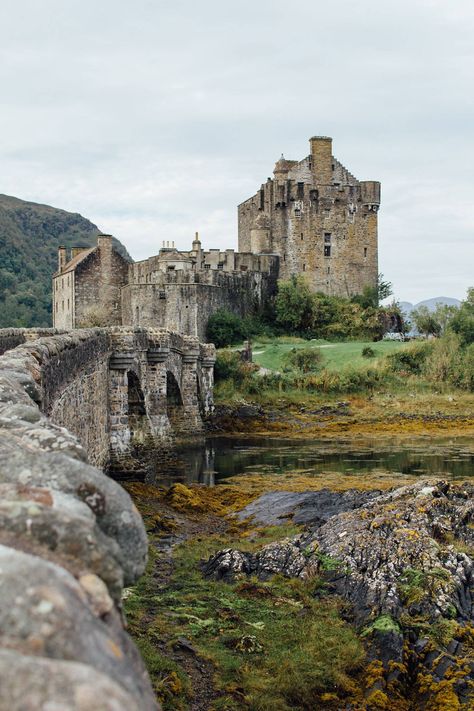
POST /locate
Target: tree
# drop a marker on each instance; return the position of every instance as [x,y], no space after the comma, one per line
[294,306]
[444,313]
[462,322]
[224,328]
[426,321]
[372,295]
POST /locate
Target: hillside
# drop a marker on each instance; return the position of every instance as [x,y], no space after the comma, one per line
[431,304]
[30,235]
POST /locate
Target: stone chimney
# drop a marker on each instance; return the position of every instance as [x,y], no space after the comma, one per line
[321,159]
[62,259]
[104,242]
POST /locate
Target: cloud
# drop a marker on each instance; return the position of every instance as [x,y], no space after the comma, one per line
[155,119]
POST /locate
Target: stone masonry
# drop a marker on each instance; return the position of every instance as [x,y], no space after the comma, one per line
[70,539]
[319,219]
[110,386]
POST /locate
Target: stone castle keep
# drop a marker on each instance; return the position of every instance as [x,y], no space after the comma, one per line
[320,221]
[314,218]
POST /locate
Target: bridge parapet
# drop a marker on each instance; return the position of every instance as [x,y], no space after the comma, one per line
[70,538]
[111,387]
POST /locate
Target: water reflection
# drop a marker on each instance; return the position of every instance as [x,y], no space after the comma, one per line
[222,457]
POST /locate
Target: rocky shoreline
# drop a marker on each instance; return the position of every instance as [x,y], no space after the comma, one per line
[403,561]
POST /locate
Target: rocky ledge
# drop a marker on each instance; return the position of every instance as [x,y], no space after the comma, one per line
[70,538]
[404,563]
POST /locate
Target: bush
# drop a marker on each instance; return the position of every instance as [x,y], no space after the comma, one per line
[451,362]
[368,352]
[224,329]
[307,360]
[410,360]
[467,368]
[228,366]
[442,364]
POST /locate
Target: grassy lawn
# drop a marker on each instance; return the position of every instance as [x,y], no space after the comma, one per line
[336,355]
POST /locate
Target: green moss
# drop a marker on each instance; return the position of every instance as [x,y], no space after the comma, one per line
[383,623]
[273,645]
[416,585]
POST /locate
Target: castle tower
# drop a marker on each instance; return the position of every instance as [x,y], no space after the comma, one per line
[319,219]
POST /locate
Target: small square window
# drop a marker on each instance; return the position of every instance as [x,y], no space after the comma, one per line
[327,238]
[207,266]
[162,295]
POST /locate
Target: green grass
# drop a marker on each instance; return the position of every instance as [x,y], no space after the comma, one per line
[336,355]
[273,644]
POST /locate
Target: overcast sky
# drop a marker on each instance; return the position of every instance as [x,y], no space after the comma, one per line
[155,119]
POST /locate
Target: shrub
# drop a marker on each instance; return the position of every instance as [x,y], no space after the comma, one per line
[410,360]
[94,317]
[228,366]
[467,368]
[307,360]
[368,352]
[224,329]
[443,362]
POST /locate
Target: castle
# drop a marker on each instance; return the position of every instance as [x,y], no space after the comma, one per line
[313,218]
[319,219]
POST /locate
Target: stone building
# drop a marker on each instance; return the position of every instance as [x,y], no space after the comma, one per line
[175,290]
[313,218]
[319,219]
[87,287]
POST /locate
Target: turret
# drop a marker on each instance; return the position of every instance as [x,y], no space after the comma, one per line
[281,168]
[370,194]
[321,159]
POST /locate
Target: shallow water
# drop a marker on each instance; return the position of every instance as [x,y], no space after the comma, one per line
[222,457]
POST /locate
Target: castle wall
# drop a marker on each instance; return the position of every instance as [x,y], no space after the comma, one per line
[183,301]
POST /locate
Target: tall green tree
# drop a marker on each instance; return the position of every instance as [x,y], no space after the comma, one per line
[294,306]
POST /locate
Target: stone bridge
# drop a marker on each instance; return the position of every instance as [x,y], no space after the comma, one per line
[70,536]
[118,386]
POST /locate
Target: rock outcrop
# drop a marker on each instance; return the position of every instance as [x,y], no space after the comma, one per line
[404,560]
[70,538]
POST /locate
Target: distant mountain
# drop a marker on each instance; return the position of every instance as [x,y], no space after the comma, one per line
[431,304]
[30,235]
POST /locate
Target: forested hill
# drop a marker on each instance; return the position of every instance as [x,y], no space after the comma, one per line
[30,235]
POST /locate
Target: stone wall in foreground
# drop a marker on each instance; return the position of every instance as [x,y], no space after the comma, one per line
[70,539]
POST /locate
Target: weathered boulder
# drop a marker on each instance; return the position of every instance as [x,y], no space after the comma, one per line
[33,683]
[46,612]
[308,507]
[62,528]
[70,538]
[114,511]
